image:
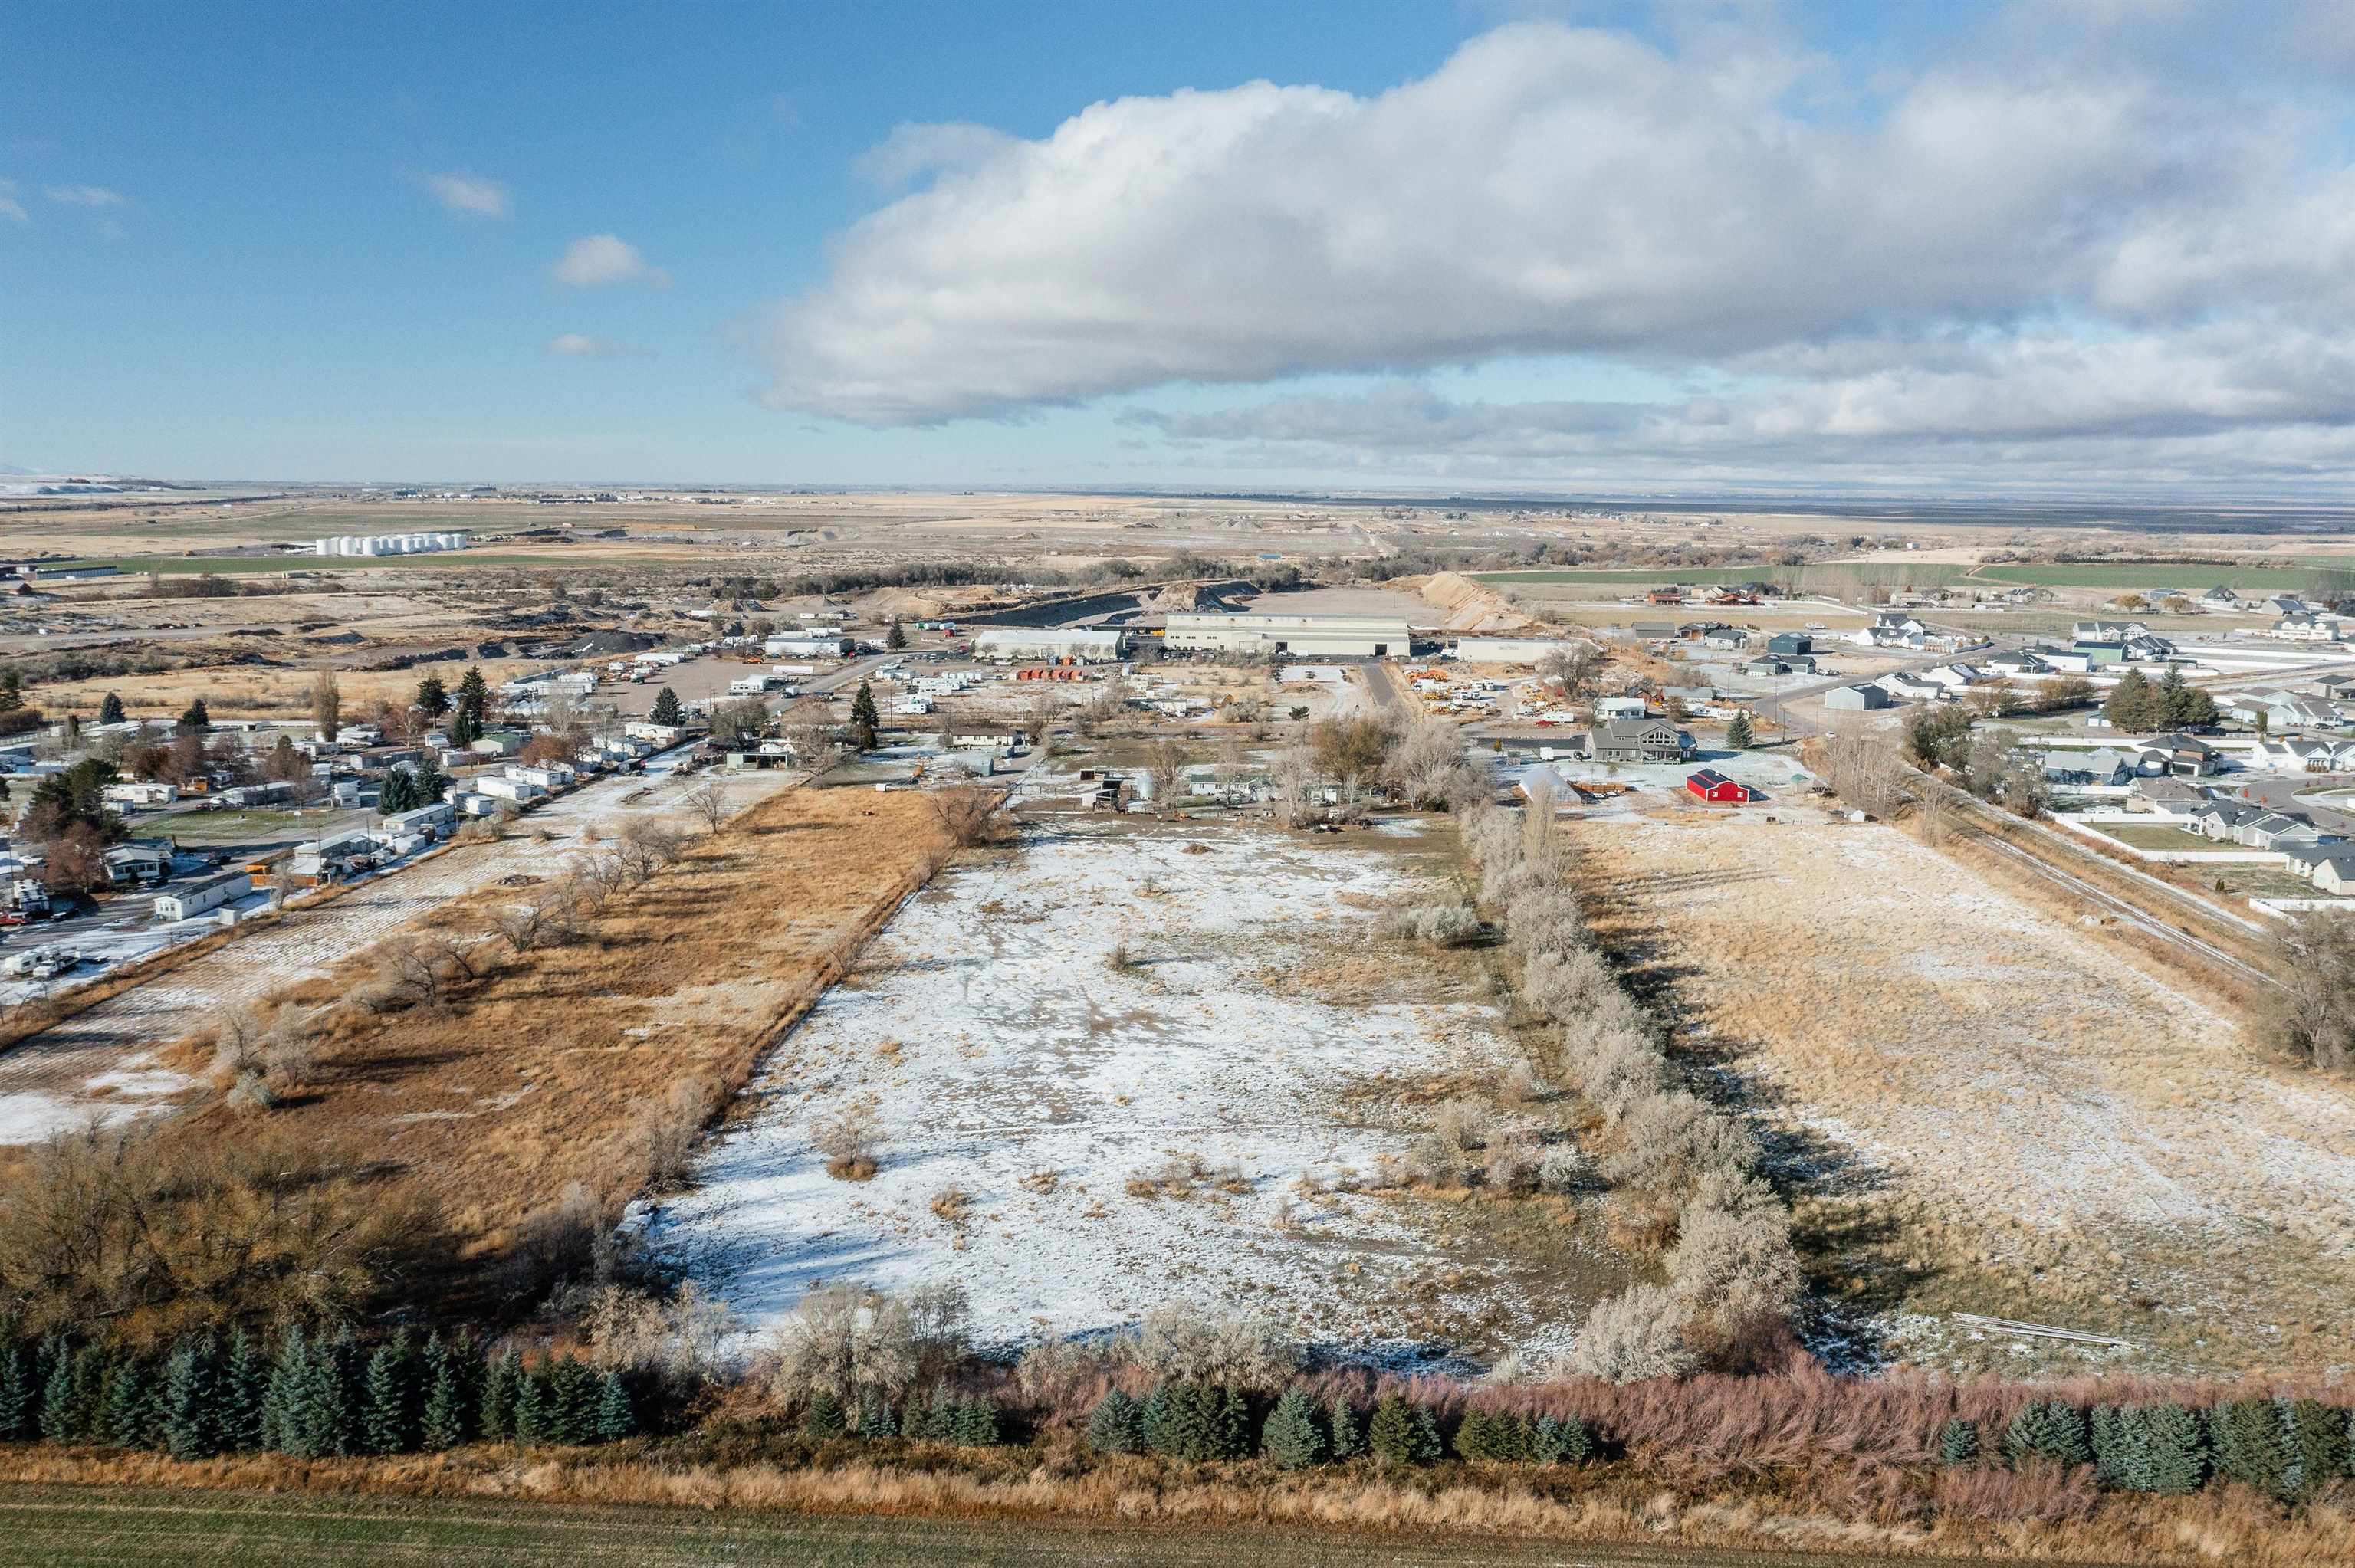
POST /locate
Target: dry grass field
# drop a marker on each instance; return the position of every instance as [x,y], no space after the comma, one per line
[1988,1109]
[538,1076]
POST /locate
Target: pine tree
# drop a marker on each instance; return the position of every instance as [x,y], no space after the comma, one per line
[1390,1434]
[617,1417]
[20,1406]
[875,1421]
[1959,1442]
[978,1425]
[56,1422]
[897,637]
[282,1391]
[2168,1450]
[12,691]
[130,1406]
[2246,1437]
[1737,731]
[473,696]
[192,1403]
[1294,1439]
[441,1424]
[502,1391]
[1476,1435]
[396,794]
[667,709]
[535,1408]
[195,719]
[1230,1432]
[465,730]
[2111,1459]
[575,1390]
[432,698]
[1116,1425]
[1563,1441]
[2049,1429]
[1428,1449]
[244,1376]
[1181,1421]
[334,1395]
[2317,1440]
[1349,1436]
[1155,1419]
[427,782]
[864,718]
[389,1414]
[110,709]
[822,1419]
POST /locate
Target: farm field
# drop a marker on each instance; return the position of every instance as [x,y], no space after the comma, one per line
[2283,577]
[91,1528]
[1986,1111]
[552,555]
[1151,1062]
[93,1063]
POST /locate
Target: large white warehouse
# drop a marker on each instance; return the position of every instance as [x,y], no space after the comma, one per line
[1083,644]
[1329,636]
[387,544]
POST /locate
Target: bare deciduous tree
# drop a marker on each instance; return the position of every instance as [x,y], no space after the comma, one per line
[1164,765]
[707,804]
[965,812]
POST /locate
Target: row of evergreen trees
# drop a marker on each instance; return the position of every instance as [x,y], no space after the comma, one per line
[1198,1421]
[943,1418]
[312,1396]
[2284,1448]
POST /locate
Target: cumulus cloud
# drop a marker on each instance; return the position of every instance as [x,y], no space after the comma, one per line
[2037,244]
[84,195]
[468,195]
[601,259]
[580,346]
[10,208]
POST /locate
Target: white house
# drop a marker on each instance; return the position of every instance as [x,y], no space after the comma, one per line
[516,792]
[141,792]
[661,735]
[190,902]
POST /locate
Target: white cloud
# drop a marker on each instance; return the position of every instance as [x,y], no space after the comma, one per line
[580,346]
[601,259]
[2040,250]
[84,195]
[469,197]
[10,208]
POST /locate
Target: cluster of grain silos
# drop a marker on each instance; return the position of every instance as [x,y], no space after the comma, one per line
[387,544]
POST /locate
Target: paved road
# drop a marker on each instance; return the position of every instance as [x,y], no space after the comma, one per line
[2280,793]
[1379,682]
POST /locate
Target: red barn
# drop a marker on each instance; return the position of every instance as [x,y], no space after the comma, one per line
[1717,789]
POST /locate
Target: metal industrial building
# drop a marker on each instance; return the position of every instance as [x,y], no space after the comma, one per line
[1507,650]
[1082,644]
[1321,636]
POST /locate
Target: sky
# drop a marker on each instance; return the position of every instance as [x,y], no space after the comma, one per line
[2074,248]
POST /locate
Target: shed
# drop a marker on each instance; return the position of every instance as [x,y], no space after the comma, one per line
[1715,787]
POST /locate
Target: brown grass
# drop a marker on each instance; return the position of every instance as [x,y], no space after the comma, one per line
[1834,1507]
[533,1079]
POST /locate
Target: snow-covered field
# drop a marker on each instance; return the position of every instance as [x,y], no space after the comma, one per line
[1008,1054]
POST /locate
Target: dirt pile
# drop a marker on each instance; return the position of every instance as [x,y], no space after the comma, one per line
[1471,608]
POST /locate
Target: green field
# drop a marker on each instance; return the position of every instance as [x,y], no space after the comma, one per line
[2189,579]
[2160,839]
[65,1526]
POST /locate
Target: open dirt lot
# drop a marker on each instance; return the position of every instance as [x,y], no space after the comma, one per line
[1123,1133]
[104,1062]
[1987,1110]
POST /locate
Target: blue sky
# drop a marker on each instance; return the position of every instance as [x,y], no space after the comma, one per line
[1596,246]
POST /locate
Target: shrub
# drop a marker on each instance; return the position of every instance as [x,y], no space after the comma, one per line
[1635,1335]
[1437,925]
[847,1138]
[847,1342]
[1182,1345]
[1293,1439]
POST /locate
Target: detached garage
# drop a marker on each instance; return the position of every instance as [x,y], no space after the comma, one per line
[1716,789]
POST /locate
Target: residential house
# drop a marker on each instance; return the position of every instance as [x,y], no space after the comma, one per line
[2015,666]
[1955,677]
[138,860]
[1907,686]
[1726,637]
[2066,661]
[1620,707]
[2294,754]
[2220,821]
[2107,630]
[1635,740]
[2306,628]
[2170,797]
[2335,874]
[2188,756]
[2268,829]
[2221,598]
[1654,632]
[1790,642]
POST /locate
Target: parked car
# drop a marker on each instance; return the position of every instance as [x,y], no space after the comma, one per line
[13,917]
